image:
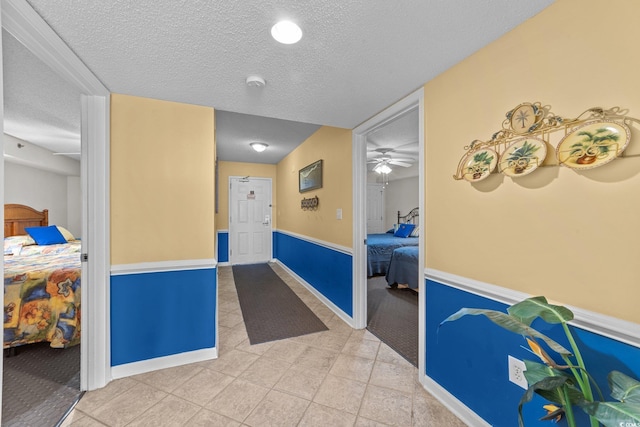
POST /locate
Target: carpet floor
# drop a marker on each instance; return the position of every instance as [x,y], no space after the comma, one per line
[40,384]
[392,316]
[271,310]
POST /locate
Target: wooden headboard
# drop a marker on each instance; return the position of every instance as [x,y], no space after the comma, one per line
[17,217]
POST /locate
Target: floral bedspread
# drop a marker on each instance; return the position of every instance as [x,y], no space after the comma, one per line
[42,297]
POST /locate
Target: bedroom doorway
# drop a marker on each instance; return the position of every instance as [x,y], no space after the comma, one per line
[412,104]
[250,229]
[22,22]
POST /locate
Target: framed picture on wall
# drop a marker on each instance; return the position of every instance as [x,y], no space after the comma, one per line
[310,177]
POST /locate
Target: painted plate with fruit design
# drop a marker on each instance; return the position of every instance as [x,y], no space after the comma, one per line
[593,144]
[479,164]
[523,157]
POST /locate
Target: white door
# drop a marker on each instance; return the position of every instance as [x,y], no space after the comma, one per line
[375,209]
[250,232]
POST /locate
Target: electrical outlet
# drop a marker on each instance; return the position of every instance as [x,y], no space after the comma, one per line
[516,372]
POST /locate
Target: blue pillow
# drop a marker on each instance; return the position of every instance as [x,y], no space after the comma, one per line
[46,235]
[404,230]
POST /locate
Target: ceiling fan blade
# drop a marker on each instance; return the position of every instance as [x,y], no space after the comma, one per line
[399,163]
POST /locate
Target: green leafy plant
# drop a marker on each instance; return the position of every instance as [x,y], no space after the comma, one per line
[568,385]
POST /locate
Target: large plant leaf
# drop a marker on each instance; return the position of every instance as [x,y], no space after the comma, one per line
[509,323]
[531,308]
[537,372]
[613,414]
[624,388]
[547,384]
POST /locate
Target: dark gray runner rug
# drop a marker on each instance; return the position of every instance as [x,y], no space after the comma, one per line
[271,310]
[392,316]
[40,384]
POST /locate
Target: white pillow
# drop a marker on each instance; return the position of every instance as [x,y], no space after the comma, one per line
[66,233]
[415,232]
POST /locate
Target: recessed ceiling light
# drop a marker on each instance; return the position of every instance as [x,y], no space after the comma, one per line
[259,146]
[286,32]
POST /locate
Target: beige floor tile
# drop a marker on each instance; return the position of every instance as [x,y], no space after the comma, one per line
[394,376]
[258,349]
[265,372]
[228,306]
[169,412]
[386,406]
[337,325]
[358,346]
[84,421]
[301,382]
[231,362]
[323,312]
[278,410]
[127,406]
[389,355]
[202,388]
[327,340]
[237,400]
[230,337]
[96,398]
[322,416]
[363,422]
[286,350]
[315,358]
[170,378]
[207,418]
[427,410]
[230,319]
[352,367]
[341,393]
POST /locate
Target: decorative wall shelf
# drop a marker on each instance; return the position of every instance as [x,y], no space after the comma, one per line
[592,139]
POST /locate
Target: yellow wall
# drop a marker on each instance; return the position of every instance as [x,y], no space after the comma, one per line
[572,236]
[162,181]
[254,170]
[333,146]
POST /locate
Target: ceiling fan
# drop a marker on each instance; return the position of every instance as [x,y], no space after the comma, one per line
[383,159]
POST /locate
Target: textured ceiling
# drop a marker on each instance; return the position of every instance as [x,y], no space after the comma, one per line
[355,58]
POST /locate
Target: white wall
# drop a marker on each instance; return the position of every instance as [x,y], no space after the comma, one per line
[38,189]
[400,195]
[74,206]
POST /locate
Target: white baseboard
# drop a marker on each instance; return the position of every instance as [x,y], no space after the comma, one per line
[458,408]
[344,316]
[135,368]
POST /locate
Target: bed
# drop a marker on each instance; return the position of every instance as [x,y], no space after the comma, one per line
[380,247]
[403,268]
[41,282]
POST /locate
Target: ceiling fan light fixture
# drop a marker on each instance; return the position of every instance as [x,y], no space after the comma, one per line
[259,146]
[286,32]
[382,168]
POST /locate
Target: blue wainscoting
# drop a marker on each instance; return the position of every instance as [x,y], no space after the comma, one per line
[164,313]
[468,357]
[223,246]
[328,270]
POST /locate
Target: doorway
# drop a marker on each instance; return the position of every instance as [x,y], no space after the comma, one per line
[412,101]
[250,229]
[23,23]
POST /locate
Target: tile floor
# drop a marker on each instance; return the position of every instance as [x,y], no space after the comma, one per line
[340,377]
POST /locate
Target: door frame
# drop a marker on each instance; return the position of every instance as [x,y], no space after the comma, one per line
[22,22]
[359,150]
[231,207]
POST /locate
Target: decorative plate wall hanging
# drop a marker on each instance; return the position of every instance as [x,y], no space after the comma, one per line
[593,144]
[479,164]
[523,157]
[592,139]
